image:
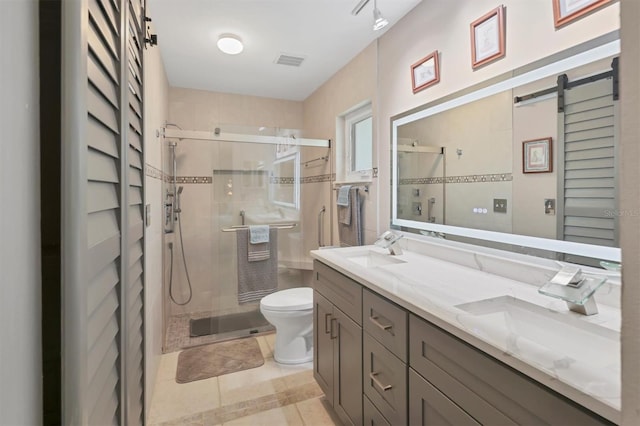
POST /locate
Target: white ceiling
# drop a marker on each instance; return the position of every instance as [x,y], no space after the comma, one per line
[323,31]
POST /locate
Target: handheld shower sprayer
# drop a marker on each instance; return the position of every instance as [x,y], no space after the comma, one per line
[177,208]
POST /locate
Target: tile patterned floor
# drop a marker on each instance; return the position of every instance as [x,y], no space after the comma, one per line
[270,395]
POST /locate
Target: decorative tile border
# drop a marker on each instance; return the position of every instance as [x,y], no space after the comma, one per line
[194,179]
[319,178]
[499,177]
[282,180]
[153,172]
[156,173]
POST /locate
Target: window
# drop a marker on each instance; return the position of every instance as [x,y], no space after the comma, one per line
[358,143]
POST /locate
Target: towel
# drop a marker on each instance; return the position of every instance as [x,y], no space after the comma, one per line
[344,210]
[256,279]
[343,195]
[351,234]
[259,234]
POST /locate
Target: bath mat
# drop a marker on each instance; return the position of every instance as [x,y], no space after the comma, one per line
[217,359]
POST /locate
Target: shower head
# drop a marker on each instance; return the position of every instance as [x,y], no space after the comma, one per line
[173,144]
[180,189]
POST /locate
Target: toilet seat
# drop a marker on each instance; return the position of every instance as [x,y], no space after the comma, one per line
[293,299]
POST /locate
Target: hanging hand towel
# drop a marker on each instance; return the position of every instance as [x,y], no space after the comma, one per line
[344,209]
[258,247]
[259,234]
[351,234]
[343,195]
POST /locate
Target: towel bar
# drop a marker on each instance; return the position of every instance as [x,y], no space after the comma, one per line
[277,226]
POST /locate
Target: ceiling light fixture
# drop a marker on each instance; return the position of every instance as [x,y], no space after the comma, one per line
[379,21]
[230,44]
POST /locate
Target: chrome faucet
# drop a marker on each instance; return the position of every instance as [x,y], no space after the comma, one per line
[389,241]
[576,289]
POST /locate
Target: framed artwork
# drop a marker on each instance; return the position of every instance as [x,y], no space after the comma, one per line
[488,37]
[565,11]
[537,156]
[425,72]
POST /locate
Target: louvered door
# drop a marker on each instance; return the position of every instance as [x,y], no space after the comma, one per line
[103,233]
[587,158]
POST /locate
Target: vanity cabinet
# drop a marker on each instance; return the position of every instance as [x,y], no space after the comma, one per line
[385,356]
[337,324]
[380,364]
[484,388]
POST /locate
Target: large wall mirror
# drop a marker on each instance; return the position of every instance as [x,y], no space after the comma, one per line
[527,160]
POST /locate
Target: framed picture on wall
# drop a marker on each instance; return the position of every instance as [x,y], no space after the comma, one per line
[488,37]
[565,11]
[425,72]
[537,156]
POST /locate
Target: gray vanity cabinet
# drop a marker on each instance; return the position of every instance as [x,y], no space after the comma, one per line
[337,364]
[378,364]
[484,388]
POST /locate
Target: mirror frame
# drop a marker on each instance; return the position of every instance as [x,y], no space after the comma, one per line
[586,53]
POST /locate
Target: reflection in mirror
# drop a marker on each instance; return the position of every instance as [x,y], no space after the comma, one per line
[461,166]
[284,182]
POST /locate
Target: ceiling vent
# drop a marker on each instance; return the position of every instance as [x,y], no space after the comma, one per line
[291,60]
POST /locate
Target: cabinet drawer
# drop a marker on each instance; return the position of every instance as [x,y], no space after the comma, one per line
[340,290]
[428,406]
[490,391]
[385,381]
[386,322]
[372,416]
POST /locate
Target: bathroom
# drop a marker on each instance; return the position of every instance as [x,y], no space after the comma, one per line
[380,75]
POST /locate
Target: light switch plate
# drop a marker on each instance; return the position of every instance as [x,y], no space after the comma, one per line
[499,205]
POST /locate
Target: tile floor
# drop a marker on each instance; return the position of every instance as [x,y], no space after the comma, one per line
[270,395]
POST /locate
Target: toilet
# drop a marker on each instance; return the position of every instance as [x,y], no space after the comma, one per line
[291,313]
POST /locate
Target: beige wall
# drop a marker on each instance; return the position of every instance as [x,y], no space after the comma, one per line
[630,205]
[436,25]
[353,85]
[20,283]
[156,112]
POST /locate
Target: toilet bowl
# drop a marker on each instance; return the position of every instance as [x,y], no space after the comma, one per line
[291,313]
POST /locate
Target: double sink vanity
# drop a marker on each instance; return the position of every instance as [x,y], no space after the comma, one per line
[448,333]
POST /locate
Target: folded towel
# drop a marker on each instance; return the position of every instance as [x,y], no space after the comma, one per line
[259,234]
[343,195]
[256,279]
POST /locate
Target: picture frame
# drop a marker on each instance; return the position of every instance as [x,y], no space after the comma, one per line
[425,72]
[566,11]
[488,37]
[537,156]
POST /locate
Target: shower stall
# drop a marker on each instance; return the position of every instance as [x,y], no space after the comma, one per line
[216,183]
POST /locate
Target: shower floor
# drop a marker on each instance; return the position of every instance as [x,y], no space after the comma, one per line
[246,322]
[179,332]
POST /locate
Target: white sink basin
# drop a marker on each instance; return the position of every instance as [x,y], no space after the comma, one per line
[554,339]
[372,259]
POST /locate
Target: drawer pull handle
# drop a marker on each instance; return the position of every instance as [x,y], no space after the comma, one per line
[384,388]
[326,324]
[331,336]
[379,324]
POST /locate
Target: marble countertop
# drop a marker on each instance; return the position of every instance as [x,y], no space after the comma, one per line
[578,356]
